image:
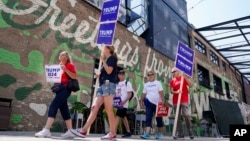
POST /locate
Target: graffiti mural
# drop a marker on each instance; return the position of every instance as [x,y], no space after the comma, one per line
[34,32]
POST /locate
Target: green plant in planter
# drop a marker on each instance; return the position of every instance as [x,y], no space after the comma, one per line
[78,107]
[196,125]
[195,121]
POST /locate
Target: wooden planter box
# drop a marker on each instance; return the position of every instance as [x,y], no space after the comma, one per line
[5,110]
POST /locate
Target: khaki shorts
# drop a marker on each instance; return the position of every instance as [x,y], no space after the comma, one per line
[184,109]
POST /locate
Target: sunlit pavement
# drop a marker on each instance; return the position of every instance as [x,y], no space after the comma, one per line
[29,136]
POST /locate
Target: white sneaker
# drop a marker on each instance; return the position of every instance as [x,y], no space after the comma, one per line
[78,132]
[68,134]
[45,133]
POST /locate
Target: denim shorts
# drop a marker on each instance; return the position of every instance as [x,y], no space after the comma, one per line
[106,89]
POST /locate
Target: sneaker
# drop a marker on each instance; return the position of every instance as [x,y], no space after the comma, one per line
[109,136]
[145,136]
[128,134]
[68,134]
[159,136]
[191,135]
[45,133]
[78,133]
[179,137]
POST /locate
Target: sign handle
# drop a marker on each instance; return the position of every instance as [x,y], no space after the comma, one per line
[178,106]
[96,83]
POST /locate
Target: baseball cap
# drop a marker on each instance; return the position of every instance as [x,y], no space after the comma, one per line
[121,71]
[174,69]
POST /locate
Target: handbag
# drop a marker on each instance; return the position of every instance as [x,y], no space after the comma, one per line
[56,87]
[73,85]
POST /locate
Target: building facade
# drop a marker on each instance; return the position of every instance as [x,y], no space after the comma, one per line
[33,33]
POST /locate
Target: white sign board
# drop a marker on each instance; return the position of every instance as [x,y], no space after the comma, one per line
[53,73]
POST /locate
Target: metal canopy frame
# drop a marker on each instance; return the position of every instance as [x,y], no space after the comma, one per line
[232,40]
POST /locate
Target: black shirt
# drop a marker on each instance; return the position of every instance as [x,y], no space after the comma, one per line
[111,62]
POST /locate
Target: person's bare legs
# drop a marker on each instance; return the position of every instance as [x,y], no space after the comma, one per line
[68,123]
[117,120]
[126,124]
[160,130]
[49,122]
[108,104]
[147,129]
[94,110]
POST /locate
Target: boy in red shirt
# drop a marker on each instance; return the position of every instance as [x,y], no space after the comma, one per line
[175,90]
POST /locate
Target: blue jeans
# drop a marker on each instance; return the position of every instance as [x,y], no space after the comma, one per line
[60,102]
[150,110]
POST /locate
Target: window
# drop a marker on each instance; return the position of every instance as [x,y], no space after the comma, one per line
[200,47]
[227,90]
[217,85]
[224,67]
[214,58]
[203,76]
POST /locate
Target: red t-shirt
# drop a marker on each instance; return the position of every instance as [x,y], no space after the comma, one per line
[65,77]
[175,84]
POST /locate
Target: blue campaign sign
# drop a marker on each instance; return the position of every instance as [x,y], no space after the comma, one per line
[184,65]
[185,52]
[106,33]
[110,10]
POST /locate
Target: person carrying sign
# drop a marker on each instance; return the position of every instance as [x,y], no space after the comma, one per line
[124,93]
[152,94]
[105,94]
[175,83]
[60,99]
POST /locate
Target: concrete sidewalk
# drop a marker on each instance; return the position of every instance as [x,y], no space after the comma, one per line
[29,136]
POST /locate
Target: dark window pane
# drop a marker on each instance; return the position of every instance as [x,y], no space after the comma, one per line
[200,47]
[227,90]
[214,58]
[203,76]
[224,66]
[217,84]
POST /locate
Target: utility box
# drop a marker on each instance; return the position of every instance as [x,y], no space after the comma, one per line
[5,113]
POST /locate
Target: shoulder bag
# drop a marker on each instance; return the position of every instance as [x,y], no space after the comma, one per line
[73,85]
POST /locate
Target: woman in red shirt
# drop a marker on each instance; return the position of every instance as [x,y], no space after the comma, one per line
[60,99]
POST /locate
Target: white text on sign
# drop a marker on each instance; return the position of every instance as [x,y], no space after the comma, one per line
[110,10]
[106,32]
[185,66]
[186,52]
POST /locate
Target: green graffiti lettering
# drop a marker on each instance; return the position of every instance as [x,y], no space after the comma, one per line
[16,118]
[35,61]
[6,80]
[22,92]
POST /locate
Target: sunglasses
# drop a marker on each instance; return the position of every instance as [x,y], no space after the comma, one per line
[150,74]
[173,71]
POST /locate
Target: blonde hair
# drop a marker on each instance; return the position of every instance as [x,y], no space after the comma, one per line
[69,60]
